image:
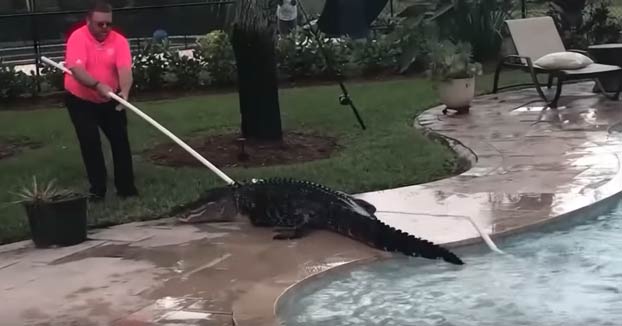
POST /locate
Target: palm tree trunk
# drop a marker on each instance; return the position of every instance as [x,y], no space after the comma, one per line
[253,43]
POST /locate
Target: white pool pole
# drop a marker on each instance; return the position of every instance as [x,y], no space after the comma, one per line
[128,105]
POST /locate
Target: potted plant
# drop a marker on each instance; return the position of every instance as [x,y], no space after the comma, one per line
[56,216]
[451,65]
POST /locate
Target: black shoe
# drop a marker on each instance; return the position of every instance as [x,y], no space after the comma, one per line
[93,198]
[127,194]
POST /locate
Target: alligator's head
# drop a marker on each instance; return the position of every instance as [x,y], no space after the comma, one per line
[216,204]
[241,195]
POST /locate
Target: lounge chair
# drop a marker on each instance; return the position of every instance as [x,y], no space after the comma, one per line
[536,37]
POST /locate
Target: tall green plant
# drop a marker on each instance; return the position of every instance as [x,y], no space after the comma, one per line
[414,23]
[600,25]
[46,192]
[478,22]
[581,24]
[449,60]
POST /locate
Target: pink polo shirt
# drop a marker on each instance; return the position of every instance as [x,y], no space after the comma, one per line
[100,59]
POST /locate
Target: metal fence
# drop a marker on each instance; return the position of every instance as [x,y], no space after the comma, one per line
[32,28]
[28,34]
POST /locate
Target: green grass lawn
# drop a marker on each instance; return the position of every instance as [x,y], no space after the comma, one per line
[389,153]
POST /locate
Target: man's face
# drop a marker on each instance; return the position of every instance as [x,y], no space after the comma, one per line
[99,24]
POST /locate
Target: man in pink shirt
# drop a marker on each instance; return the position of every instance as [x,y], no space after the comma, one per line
[101,62]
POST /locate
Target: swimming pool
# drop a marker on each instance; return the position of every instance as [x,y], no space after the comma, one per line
[569,276]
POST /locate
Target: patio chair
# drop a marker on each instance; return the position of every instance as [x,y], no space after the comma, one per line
[536,37]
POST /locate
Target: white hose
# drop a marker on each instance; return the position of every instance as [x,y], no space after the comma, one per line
[483,234]
[128,105]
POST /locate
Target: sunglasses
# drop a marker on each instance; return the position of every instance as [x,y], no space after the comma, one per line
[104,24]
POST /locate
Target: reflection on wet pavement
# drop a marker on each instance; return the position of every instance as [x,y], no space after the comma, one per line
[232,267]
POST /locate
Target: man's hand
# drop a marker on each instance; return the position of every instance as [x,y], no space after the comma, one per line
[124,96]
[125,83]
[103,90]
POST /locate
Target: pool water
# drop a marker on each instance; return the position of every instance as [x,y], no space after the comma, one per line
[571,276]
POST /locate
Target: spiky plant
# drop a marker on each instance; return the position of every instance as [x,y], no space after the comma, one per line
[46,192]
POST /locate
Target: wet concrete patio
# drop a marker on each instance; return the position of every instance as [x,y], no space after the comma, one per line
[164,273]
[526,172]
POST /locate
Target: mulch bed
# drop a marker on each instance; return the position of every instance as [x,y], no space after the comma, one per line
[12,146]
[225,151]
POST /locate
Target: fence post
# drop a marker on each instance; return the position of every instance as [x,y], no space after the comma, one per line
[35,39]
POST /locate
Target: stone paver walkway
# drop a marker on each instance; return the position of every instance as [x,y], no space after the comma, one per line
[161,273]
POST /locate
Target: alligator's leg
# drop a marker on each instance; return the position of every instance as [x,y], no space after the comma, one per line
[370,208]
[287,223]
[295,226]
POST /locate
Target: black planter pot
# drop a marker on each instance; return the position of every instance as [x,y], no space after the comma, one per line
[42,227]
[62,222]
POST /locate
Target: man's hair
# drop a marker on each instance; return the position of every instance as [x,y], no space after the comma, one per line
[99,6]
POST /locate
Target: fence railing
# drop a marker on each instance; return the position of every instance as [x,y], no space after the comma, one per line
[29,35]
[25,55]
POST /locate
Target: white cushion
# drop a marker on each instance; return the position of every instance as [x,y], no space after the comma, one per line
[563,61]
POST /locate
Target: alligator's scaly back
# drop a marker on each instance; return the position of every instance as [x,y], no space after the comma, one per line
[301,205]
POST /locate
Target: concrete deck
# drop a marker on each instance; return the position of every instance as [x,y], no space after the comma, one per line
[160,273]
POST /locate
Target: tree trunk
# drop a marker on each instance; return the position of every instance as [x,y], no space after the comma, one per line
[257,85]
[254,47]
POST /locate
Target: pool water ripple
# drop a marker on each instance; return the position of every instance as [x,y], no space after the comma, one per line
[572,276]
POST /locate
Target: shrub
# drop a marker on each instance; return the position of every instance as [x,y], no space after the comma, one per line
[478,22]
[215,51]
[376,55]
[185,71]
[299,56]
[13,83]
[596,24]
[53,77]
[150,67]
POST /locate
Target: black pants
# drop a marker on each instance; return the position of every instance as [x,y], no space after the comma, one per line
[87,119]
[286,26]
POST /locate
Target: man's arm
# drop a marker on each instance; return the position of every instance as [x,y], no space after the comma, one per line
[124,69]
[84,78]
[75,61]
[125,81]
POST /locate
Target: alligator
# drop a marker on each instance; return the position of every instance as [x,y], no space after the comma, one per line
[295,207]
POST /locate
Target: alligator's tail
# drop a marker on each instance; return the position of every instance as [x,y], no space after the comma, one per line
[381,236]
